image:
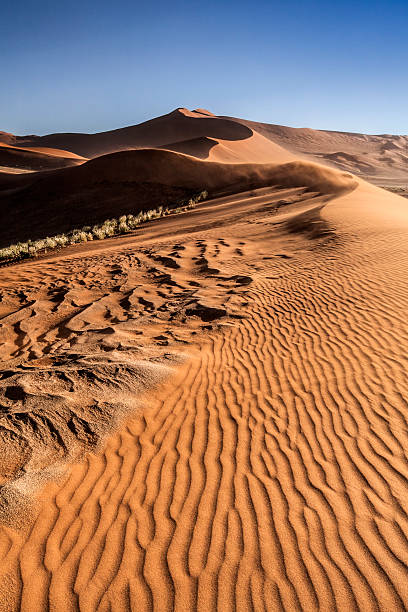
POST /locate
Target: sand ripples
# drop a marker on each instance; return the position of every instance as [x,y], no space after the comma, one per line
[271,473]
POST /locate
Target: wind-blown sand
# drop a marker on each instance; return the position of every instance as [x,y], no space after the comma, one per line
[216,404]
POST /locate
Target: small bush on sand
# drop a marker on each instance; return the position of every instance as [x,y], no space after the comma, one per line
[110,227]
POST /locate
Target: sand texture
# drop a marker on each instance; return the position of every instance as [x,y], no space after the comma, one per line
[210,413]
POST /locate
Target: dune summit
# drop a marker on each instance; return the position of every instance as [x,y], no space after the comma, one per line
[208,412]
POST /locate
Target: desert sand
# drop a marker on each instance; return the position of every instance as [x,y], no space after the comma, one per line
[210,412]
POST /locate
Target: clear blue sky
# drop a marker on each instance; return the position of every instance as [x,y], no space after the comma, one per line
[91,66]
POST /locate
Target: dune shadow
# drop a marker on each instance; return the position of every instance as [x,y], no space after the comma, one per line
[311,224]
[197,147]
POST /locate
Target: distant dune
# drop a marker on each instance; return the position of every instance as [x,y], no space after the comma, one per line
[39,158]
[176,126]
[381,159]
[377,158]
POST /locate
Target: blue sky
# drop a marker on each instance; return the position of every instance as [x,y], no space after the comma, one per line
[92,66]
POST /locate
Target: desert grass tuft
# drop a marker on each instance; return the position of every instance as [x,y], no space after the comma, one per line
[110,227]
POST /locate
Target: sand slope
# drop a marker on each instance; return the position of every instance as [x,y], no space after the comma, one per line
[256,148]
[270,471]
[41,204]
[36,158]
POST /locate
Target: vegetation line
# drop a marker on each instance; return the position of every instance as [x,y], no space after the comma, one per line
[110,227]
[401,190]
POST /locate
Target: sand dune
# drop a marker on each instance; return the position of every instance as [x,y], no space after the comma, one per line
[127,182]
[178,125]
[381,159]
[39,158]
[269,472]
[208,413]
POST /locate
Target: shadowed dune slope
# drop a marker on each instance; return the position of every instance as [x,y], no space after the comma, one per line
[196,147]
[127,182]
[270,471]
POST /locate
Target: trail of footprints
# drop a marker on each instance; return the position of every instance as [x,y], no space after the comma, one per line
[74,346]
[100,291]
